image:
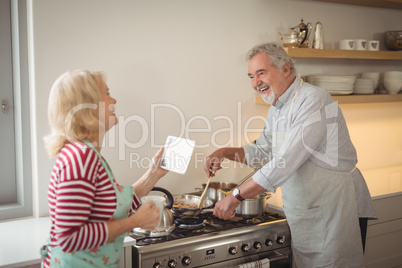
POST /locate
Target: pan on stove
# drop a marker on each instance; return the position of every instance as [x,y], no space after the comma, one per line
[191,202]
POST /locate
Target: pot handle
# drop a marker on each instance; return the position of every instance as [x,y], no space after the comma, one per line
[207,210]
[168,194]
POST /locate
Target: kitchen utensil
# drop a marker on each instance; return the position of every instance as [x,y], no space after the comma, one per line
[166,225]
[298,36]
[393,40]
[188,200]
[290,39]
[348,44]
[318,42]
[392,81]
[375,76]
[363,86]
[304,33]
[204,193]
[373,45]
[246,178]
[159,201]
[216,190]
[361,44]
[253,207]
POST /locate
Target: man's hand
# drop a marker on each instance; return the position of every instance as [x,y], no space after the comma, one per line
[225,208]
[213,162]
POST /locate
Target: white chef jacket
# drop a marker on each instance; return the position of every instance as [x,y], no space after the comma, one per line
[316,131]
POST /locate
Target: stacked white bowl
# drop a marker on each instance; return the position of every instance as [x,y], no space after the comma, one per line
[375,76]
[363,86]
[393,81]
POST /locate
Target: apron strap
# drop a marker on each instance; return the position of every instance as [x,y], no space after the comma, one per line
[294,97]
[104,164]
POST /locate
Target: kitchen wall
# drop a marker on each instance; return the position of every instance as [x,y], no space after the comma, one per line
[178,68]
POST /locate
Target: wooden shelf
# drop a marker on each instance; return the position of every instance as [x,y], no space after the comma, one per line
[394,4]
[350,99]
[343,54]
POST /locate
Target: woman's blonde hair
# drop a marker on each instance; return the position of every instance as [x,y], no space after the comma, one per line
[73,109]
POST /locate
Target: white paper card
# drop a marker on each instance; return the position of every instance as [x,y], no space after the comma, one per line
[177,154]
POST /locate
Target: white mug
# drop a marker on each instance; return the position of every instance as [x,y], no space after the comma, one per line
[361,44]
[348,44]
[373,45]
[159,202]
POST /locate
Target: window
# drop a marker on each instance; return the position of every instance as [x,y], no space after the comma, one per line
[15,153]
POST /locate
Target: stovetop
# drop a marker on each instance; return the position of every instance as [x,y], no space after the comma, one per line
[209,224]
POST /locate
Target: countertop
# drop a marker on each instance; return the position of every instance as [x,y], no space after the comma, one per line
[21,240]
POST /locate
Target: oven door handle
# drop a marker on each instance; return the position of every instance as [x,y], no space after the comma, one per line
[276,256]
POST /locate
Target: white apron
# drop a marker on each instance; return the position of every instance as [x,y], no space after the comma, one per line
[321,209]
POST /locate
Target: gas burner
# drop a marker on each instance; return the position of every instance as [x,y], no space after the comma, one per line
[253,221]
[153,240]
[195,226]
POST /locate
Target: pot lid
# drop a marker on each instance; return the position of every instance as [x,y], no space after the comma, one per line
[302,25]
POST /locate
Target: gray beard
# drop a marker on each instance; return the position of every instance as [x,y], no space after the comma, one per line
[269,98]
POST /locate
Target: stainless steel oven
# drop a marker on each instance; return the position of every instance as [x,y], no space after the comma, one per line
[218,243]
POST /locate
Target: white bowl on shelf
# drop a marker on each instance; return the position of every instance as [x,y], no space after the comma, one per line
[392,81]
[375,76]
[393,87]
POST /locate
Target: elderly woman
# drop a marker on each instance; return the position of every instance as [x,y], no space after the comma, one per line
[88,208]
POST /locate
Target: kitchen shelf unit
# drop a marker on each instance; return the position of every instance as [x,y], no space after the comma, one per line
[348,54]
[351,99]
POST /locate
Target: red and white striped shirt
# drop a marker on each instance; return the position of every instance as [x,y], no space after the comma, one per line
[81,199]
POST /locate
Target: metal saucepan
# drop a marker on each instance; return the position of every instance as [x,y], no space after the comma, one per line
[215,189]
[190,200]
[253,207]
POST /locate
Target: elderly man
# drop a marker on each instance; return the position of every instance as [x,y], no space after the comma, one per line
[305,149]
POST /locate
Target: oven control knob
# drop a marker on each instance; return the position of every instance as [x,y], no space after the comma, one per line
[232,251]
[280,239]
[269,242]
[157,265]
[245,247]
[172,264]
[186,261]
[257,246]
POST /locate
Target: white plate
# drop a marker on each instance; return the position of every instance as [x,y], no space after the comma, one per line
[340,92]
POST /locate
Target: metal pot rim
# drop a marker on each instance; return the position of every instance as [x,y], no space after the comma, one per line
[207,202]
[218,185]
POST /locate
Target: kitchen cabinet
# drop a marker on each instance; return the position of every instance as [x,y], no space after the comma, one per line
[384,236]
[348,54]
[394,4]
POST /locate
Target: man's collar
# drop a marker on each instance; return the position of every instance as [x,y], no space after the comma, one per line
[288,94]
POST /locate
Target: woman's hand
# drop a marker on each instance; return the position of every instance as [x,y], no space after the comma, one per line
[156,164]
[146,216]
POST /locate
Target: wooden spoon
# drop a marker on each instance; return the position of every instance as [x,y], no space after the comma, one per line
[203,193]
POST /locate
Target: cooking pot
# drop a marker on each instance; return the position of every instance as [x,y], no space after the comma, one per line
[166,225]
[190,200]
[253,207]
[215,189]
